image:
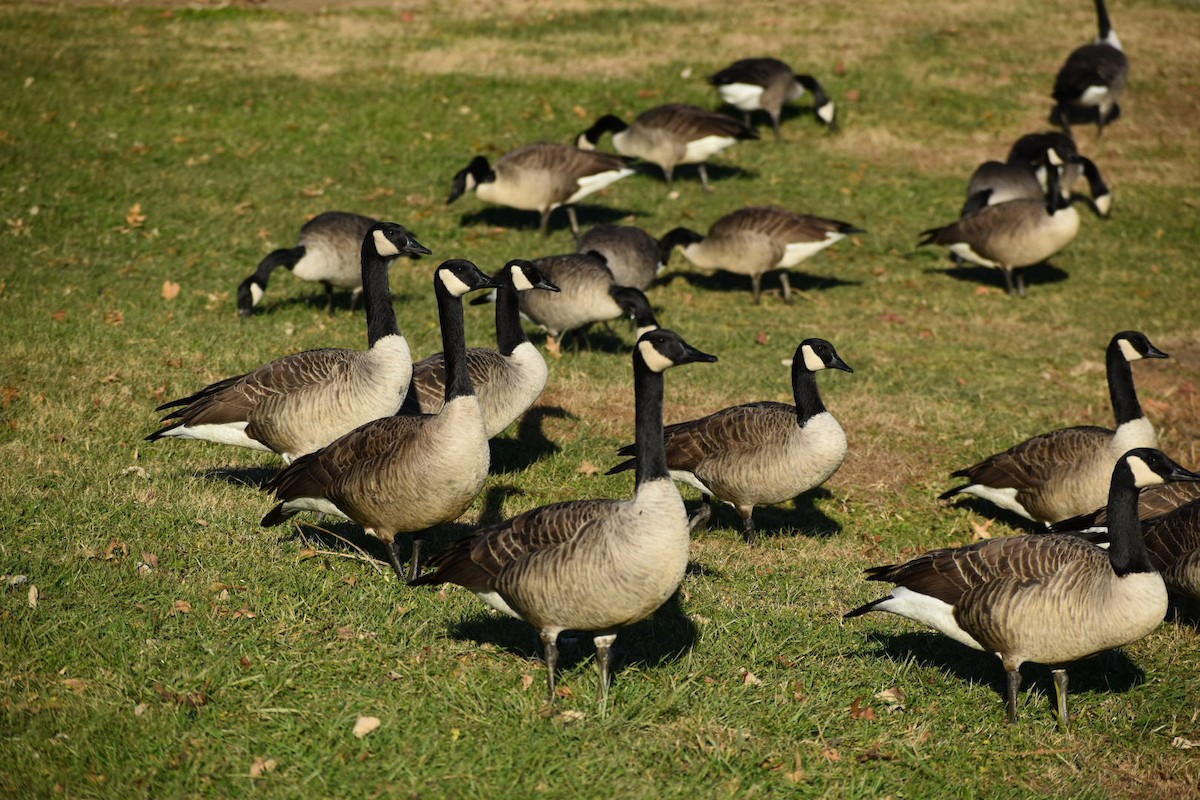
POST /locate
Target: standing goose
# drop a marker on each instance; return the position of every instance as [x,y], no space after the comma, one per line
[327,252]
[759,239]
[1092,79]
[1052,598]
[589,565]
[541,177]
[1065,472]
[767,83]
[507,380]
[670,135]
[588,294]
[404,473]
[760,453]
[302,402]
[633,256]
[1011,235]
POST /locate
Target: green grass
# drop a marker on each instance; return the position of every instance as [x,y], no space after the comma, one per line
[226,128]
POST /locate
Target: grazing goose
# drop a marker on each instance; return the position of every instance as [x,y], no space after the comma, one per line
[633,256]
[508,380]
[1092,79]
[1033,150]
[759,239]
[767,83]
[996,182]
[588,294]
[1065,472]
[541,177]
[669,135]
[302,402]
[759,453]
[327,252]
[589,565]
[408,472]
[1011,235]
[1050,598]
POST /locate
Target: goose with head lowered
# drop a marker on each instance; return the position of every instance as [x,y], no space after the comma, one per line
[1092,79]
[541,177]
[508,380]
[669,135]
[302,402]
[1047,598]
[408,472]
[759,239]
[589,565]
[759,453]
[326,252]
[632,255]
[1011,235]
[767,84]
[1038,150]
[1065,472]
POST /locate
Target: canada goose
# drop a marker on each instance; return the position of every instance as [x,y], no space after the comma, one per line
[633,256]
[760,453]
[508,380]
[588,294]
[408,472]
[669,135]
[541,177]
[327,251]
[1033,150]
[996,182]
[1050,598]
[1092,79]
[302,402]
[589,565]
[1011,235]
[768,83]
[1153,502]
[1065,472]
[758,239]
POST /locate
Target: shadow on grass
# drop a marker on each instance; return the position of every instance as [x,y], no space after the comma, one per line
[1043,273]
[722,281]
[253,477]
[687,176]
[663,637]
[294,294]
[1109,671]
[530,445]
[983,508]
[504,217]
[803,519]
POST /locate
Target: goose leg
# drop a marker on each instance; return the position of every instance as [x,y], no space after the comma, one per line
[787,286]
[748,532]
[574,221]
[604,659]
[1020,281]
[775,125]
[1014,685]
[355,297]
[1060,694]
[414,564]
[329,295]
[550,644]
[704,178]
[1008,281]
[756,288]
[544,226]
[393,552]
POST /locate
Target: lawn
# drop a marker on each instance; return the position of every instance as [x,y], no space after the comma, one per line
[155,641]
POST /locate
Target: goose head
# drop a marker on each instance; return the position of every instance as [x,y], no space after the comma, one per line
[636,306]
[818,354]
[1135,346]
[470,176]
[609,123]
[1151,467]
[459,276]
[661,349]
[524,276]
[390,240]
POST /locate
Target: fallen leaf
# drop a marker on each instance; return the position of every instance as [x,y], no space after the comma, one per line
[568,716]
[831,754]
[262,766]
[193,700]
[76,685]
[59,316]
[587,468]
[749,678]
[894,697]
[8,394]
[116,550]
[553,347]
[243,612]
[365,725]
[1180,743]
[981,531]
[858,711]
[34,594]
[891,316]
[140,709]
[580,112]
[114,318]
[526,681]
[797,775]
[181,607]
[762,337]
[134,218]
[170,290]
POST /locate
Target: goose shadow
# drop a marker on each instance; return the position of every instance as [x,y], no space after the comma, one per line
[1110,671]
[1036,275]
[760,121]
[594,338]
[689,174]
[805,518]
[724,281]
[505,217]
[530,444]
[664,637]
[293,294]
[983,508]
[253,477]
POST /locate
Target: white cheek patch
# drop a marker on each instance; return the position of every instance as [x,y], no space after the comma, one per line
[453,283]
[1103,204]
[655,360]
[470,184]
[826,113]
[1128,351]
[520,280]
[812,361]
[256,294]
[1143,476]
[384,245]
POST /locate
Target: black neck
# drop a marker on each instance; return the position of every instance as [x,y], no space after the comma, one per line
[650,451]
[377,294]
[286,257]
[1120,385]
[454,343]
[509,333]
[1127,548]
[1054,199]
[1102,19]
[804,389]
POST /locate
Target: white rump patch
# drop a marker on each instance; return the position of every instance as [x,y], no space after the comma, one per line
[453,283]
[1094,96]
[594,183]
[965,252]
[683,476]
[384,245]
[1005,498]
[701,149]
[318,504]
[655,360]
[520,280]
[929,611]
[743,96]
[232,433]
[494,600]
[796,252]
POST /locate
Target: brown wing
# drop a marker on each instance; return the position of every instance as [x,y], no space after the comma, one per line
[571,162]
[692,122]
[486,368]
[1031,463]
[781,225]
[742,427]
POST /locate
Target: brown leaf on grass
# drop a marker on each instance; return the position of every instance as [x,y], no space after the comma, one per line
[76,685]
[1180,743]
[116,550]
[894,697]
[587,468]
[981,531]
[33,595]
[365,725]
[858,711]
[59,316]
[114,317]
[243,208]
[262,766]
[526,681]
[797,775]
[580,112]
[891,316]
[831,754]
[170,290]
[243,613]
[193,700]
[762,337]
[553,347]
[749,678]
[181,607]
[569,716]
[8,394]
[134,218]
